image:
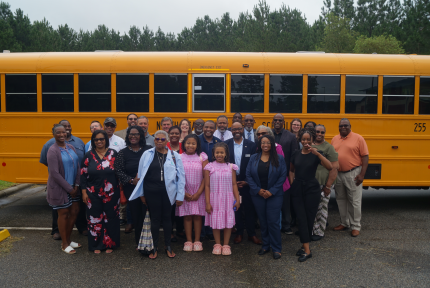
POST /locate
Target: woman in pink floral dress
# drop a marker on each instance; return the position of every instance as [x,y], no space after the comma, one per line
[221,192]
[194,160]
[100,191]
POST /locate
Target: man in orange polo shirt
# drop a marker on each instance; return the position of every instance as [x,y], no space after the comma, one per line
[353,161]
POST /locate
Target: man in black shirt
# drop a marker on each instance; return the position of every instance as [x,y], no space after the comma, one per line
[289,144]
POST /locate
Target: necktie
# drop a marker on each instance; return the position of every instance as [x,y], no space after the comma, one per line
[222,136]
[249,135]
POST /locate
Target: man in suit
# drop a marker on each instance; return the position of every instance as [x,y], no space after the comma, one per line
[240,150]
[249,128]
[131,121]
[289,144]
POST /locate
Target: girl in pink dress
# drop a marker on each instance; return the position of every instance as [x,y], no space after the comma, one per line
[221,192]
[194,160]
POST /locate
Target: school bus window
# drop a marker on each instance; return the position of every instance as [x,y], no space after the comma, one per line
[209,92]
[424,95]
[247,93]
[361,94]
[132,92]
[21,92]
[94,92]
[324,94]
[398,95]
[285,93]
[170,92]
[57,93]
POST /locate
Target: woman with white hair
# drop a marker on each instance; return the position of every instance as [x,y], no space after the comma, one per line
[161,183]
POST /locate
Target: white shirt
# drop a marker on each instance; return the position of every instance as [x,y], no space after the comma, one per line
[115,142]
[227,135]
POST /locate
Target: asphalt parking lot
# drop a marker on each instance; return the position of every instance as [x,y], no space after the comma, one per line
[393,250]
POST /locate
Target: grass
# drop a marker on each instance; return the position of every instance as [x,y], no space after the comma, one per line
[6,245]
[5,184]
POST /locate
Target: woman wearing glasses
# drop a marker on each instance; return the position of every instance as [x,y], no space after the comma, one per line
[100,191]
[161,183]
[127,164]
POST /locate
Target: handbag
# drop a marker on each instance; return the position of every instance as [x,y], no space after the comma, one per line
[122,200]
[146,243]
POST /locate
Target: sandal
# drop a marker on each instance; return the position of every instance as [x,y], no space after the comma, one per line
[97,251]
[75,245]
[217,249]
[153,257]
[169,249]
[69,250]
[188,246]
[198,246]
[226,250]
[109,251]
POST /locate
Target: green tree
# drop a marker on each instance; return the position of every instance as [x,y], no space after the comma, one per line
[368,16]
[341,8]
[378,44]
[67,38]
[43,38]
[7,37]
[338,35]
[415,27]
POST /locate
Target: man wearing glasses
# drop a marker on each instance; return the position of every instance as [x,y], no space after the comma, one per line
[289,144]
[249,132]
[115,142]
[131,121]
[326,179]
[198,126]
[353,162]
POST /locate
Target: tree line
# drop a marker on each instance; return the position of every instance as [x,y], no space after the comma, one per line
[381,26]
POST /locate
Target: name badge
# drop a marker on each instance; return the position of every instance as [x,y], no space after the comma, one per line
[247,155]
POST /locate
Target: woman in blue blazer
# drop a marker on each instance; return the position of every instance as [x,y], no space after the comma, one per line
[265,174]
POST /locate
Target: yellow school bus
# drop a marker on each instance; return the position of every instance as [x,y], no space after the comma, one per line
[386,98]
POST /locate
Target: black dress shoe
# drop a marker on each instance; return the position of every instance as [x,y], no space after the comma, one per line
[173,239]
[316,237]
[300,252]
[305,257]
[122,222]
[297,233]
[210,237]
[276,255]
[287,231]
[262,251]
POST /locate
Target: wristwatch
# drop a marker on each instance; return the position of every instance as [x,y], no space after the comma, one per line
[132,181]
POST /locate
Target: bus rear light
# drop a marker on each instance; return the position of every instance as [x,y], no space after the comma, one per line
[3,164]
[395,147]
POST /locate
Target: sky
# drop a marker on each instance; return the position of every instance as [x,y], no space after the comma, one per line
[169,15]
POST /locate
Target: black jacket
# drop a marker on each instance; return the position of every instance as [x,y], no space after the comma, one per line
[289,144]
[249,148]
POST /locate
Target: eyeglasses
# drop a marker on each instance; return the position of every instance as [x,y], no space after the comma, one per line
[261,134]
[134,134]
[110,125]
[277,120]
[160,139]
[132,119]
[249,120]
[296,125]
[236,129]
[99,139]
[198,124]
[343,126]
[320,132]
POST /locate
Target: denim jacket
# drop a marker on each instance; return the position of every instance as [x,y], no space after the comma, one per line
[174,176]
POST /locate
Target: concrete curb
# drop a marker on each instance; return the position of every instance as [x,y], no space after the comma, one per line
[14,189]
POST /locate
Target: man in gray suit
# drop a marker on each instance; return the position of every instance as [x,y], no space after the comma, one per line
[131,121]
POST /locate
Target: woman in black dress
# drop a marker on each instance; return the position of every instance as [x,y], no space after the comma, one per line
[100,191]
[305,189]
[127,165]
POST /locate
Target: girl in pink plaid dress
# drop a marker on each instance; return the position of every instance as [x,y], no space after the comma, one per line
[194,160]
[221,192]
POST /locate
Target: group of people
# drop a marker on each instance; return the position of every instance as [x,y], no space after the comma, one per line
[205,178]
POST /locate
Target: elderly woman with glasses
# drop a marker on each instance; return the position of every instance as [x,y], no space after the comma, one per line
[161,183]
[100,191]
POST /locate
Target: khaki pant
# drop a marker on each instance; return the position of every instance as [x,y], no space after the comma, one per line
[348,197]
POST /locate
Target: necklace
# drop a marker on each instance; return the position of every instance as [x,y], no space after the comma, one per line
[161,163]
[129,147]
[101,155]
